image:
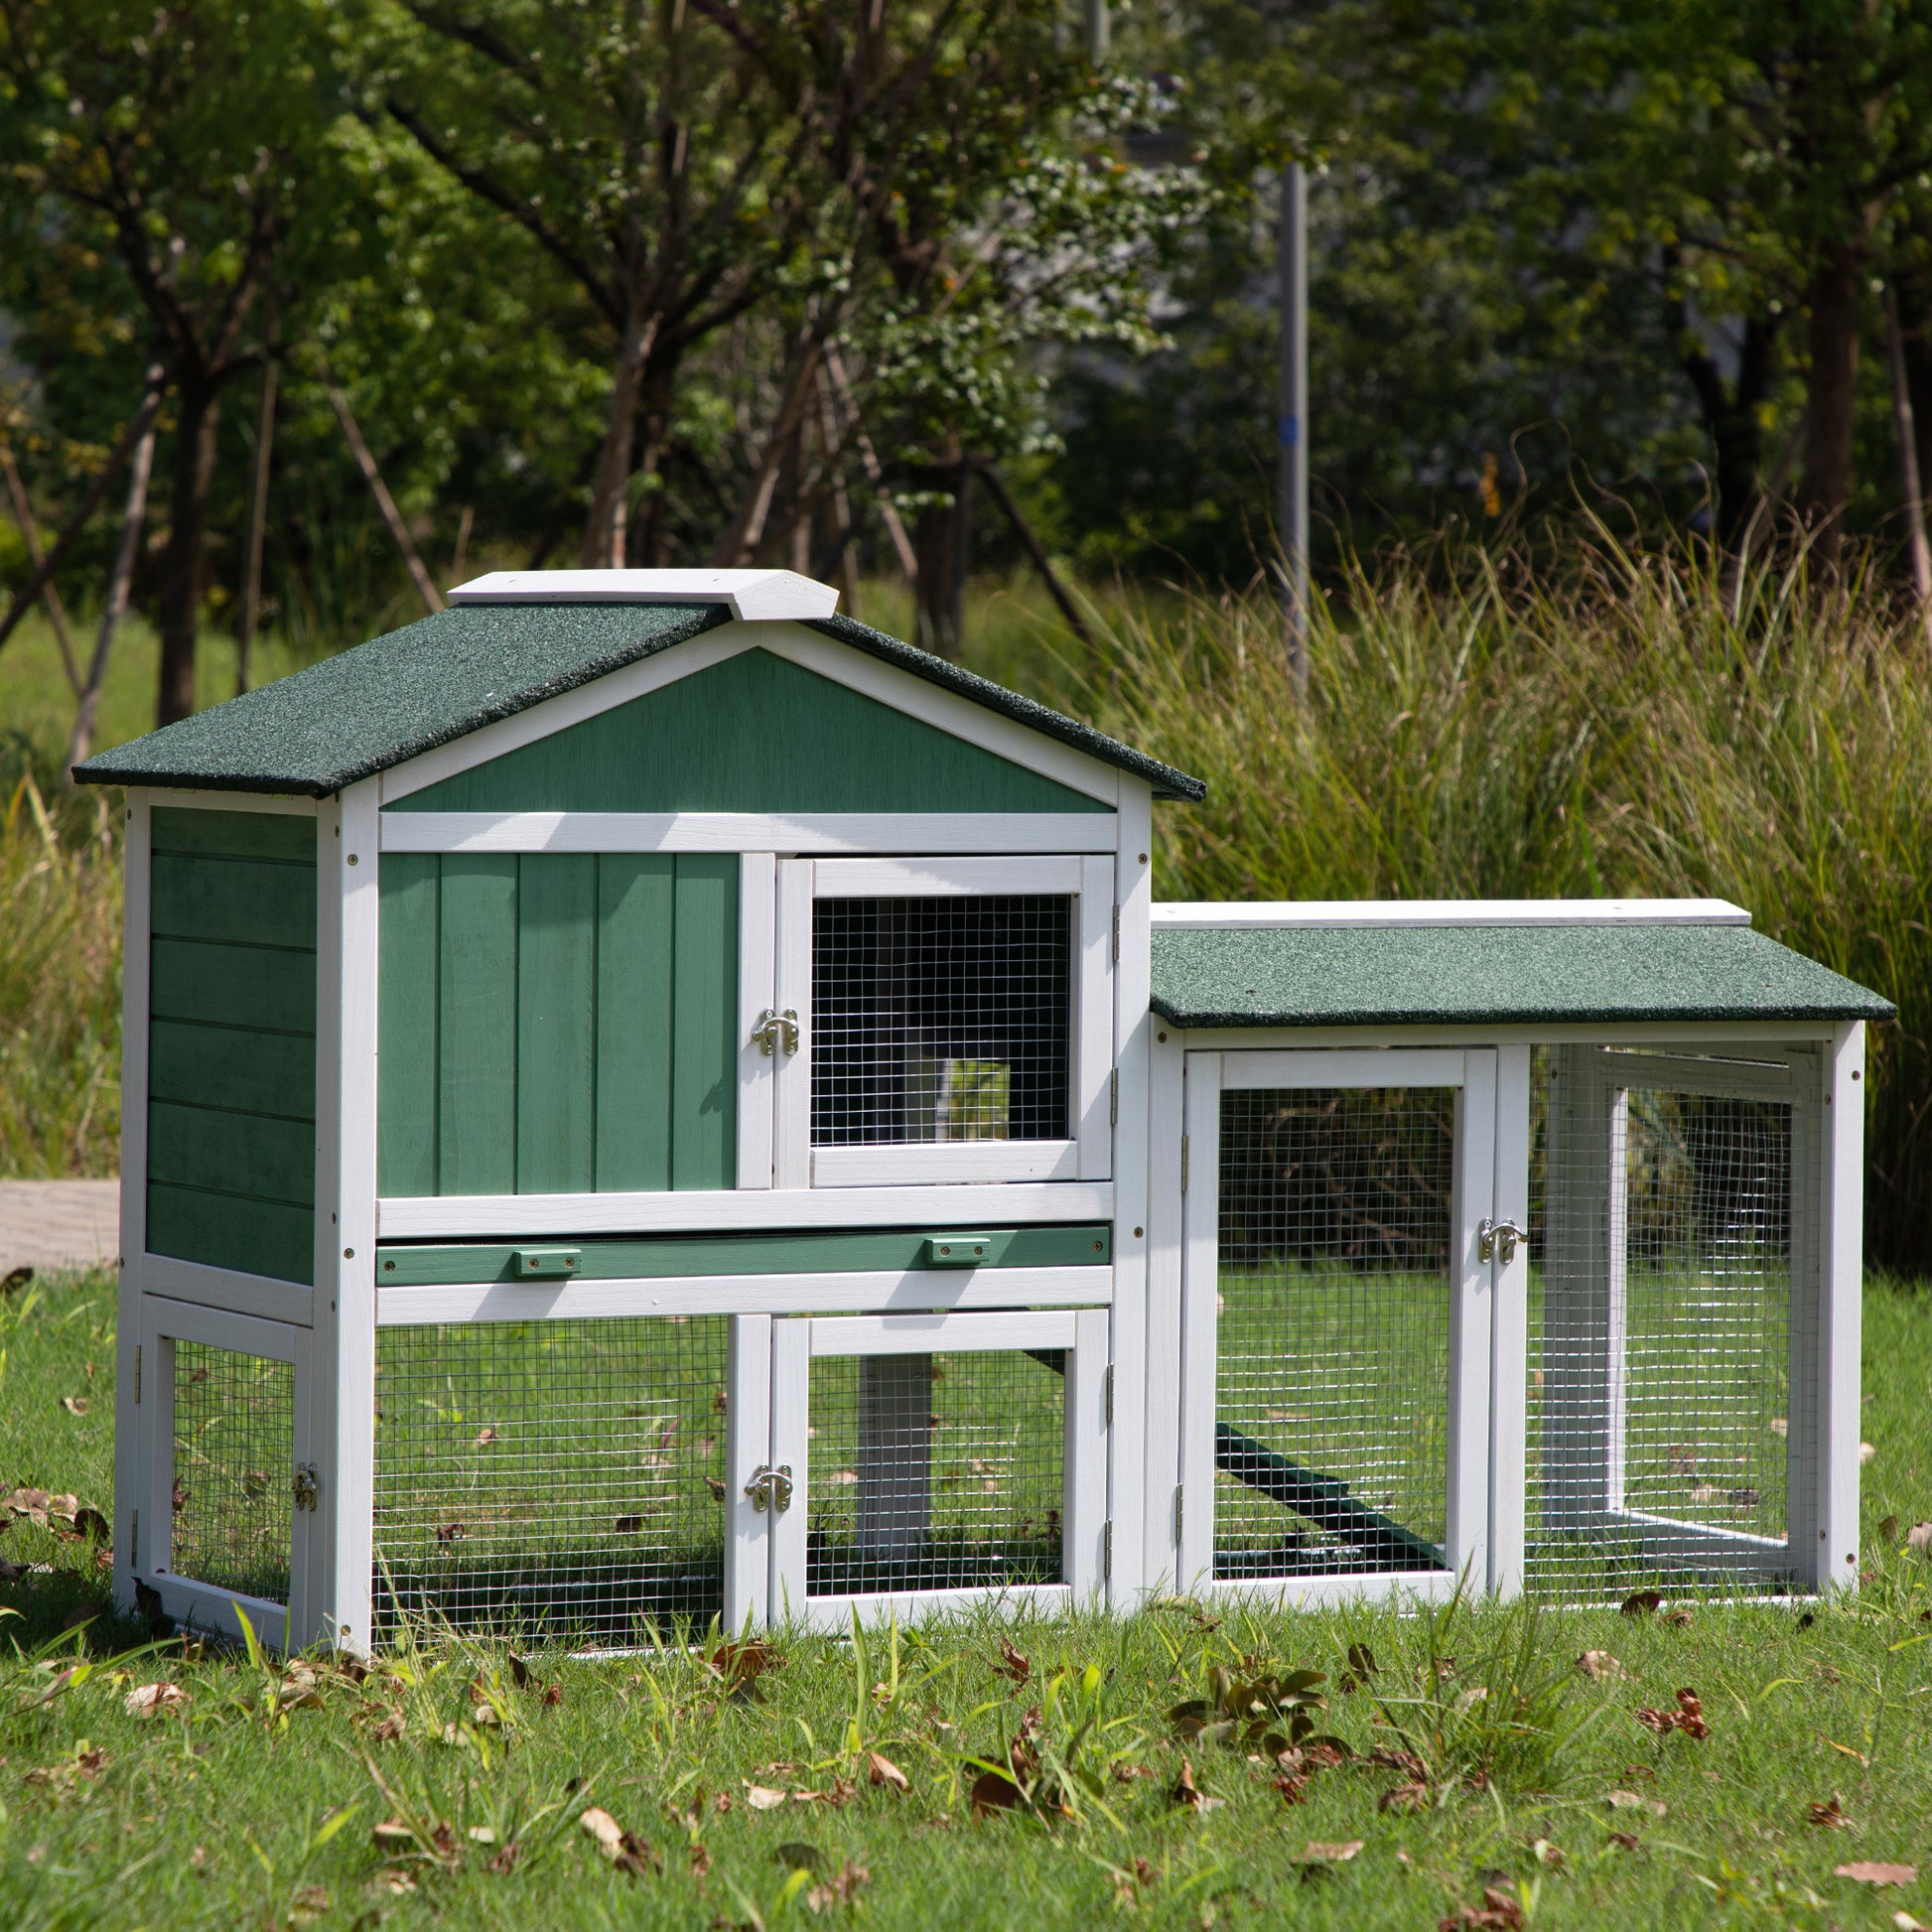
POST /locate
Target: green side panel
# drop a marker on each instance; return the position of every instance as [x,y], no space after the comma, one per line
[406,1023]
[252,901]
[235,1072]
[198,979]
[556,1023]
[886,1250]
[235,835]
[243,1154]
[753,734]
[477,1043]
[635,925]
[704,1031]
[230,1231]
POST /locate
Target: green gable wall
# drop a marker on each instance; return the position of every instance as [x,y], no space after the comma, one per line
[231,1041]
[557,1023]
[755,734]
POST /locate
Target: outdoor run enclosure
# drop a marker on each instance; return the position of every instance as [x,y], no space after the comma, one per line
[648,1104]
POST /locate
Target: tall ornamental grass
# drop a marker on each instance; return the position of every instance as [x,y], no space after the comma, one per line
[1619,724]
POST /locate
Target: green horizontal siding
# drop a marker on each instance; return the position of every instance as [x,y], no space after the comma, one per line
[231,1052]
[755,734]
[881,1251]
[557,1024]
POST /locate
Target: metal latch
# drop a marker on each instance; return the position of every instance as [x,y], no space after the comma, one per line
[776,1029]
[770,1488]
[1496,1240]
[308,1485]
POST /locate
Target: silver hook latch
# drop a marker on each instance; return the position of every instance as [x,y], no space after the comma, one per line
[770,1488]
[788,1029]
[1496,1240]
[306,1486]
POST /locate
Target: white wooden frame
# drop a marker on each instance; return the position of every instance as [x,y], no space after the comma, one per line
[1589,1114]
[834,834]
[160,1324]
[1087,1155]
[797,1341]
[1472,1074]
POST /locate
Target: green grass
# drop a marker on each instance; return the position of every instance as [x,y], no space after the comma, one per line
[254,1804]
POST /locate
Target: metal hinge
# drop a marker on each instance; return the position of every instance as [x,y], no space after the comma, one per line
[1183,1164]
[1107,1550]
[137,1374]
[308,1484]
[134,1541]
[1110,1395]
[1178,1493]
[1113,1098]
[770,1488]
[1116,936]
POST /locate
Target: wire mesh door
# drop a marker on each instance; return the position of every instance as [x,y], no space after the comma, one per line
[224,1518]
[923,1460]
[1337,1307]
[1672,1389]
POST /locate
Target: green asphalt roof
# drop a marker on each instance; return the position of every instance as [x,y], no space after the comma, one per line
[400,695]
[1441,975]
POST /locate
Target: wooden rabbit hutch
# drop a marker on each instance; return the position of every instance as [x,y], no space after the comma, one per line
[647,1100]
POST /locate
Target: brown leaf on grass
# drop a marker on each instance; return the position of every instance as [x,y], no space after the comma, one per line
[1293,1786]
[392,1831]
[1412,1796]
[1186,1793]
[389,1727]
[1126,1773]
[1687,1718]
[628,1525]
[1011,1663]
[1549,1857]
[76,1404]
[89,1522]
[1498,1912]
[1326,1753]
[1919,1538]
[700,1858]
[1629,1801]
[15,1278]
[716,1488]
[764,1797]
[553,1695]
[505,1860]
[450,1532]
[1831,1813]
[1874,1871]
[485,1436]
[154,1700]
[1599,1665]
[1387,1759]
[1642,1602]
[625,1850]
[1905,1922]
[840,1889]
[743,1664]
[1321,1852]
[310,1903]
[1627,1841]
[883,1771]
[993,1791]
[1887,1528]
[1679,1618]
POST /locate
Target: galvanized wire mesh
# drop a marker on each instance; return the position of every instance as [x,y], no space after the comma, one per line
[941,1020]
[1665,1398]
[563,1478]
[935,1472]
[233,1471]
[1332,1365]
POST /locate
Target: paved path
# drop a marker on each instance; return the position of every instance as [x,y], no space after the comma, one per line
[49,1224]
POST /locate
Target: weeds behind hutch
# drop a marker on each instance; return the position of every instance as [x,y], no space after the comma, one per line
[646,1099]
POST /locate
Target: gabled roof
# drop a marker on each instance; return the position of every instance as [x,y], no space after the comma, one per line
[397,695]
[1676,964]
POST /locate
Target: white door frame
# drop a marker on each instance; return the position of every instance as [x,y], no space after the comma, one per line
[1473,1074]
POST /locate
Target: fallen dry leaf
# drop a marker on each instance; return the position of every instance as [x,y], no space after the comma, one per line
[1599,1665]
[1905,1922]
[883,1771]
[1627,1841]
[1831,1813]
[1293,1786]
[154,1700]
[1874,1871]
[838,1890]
[1320,1851]
[553,1695]
[1866,1452]
[1498,1912]
[1630,1801]
[1413,1796]
[485,1436]
[1919,1538]
[993,1791]
[1549,1855]
[1687,1718]
[763,1797]
[1011,1663]
[625,1849]
[1642,1602]
[1186,1793]
[76,1404]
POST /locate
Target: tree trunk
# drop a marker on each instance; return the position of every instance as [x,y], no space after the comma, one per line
[1915,344]
[942,541]
[251,569]
[603,532]
[182,565]
[1733,422]
[81,738]
[1835,295]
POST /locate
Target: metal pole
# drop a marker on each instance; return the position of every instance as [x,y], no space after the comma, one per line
[1292,483]
[1097,30]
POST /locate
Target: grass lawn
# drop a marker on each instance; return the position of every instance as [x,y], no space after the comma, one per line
[254,1801]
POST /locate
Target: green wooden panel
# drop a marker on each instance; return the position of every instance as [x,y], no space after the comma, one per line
[477,1043]
[243,1154]
[235,835]
[406,1023]
[241,986]
[228,1231]
[556,1023]
[225,1067]
[635,921]
[753,734]
[883,1250]
[704,1023]
[257,901]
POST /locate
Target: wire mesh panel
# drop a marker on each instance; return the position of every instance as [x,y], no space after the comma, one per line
[234,1498]
[1331,1361]
[943,1471]
[943,1019]
[1662,1405]
[563,1478]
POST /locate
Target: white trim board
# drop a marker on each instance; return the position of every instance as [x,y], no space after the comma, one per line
[1197,914]
[272,802]
[754,594]
[524,1217]
[1632,1033]
[835,833]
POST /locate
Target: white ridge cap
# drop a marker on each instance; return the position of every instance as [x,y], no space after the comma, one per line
[1262,914]
[751,594]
